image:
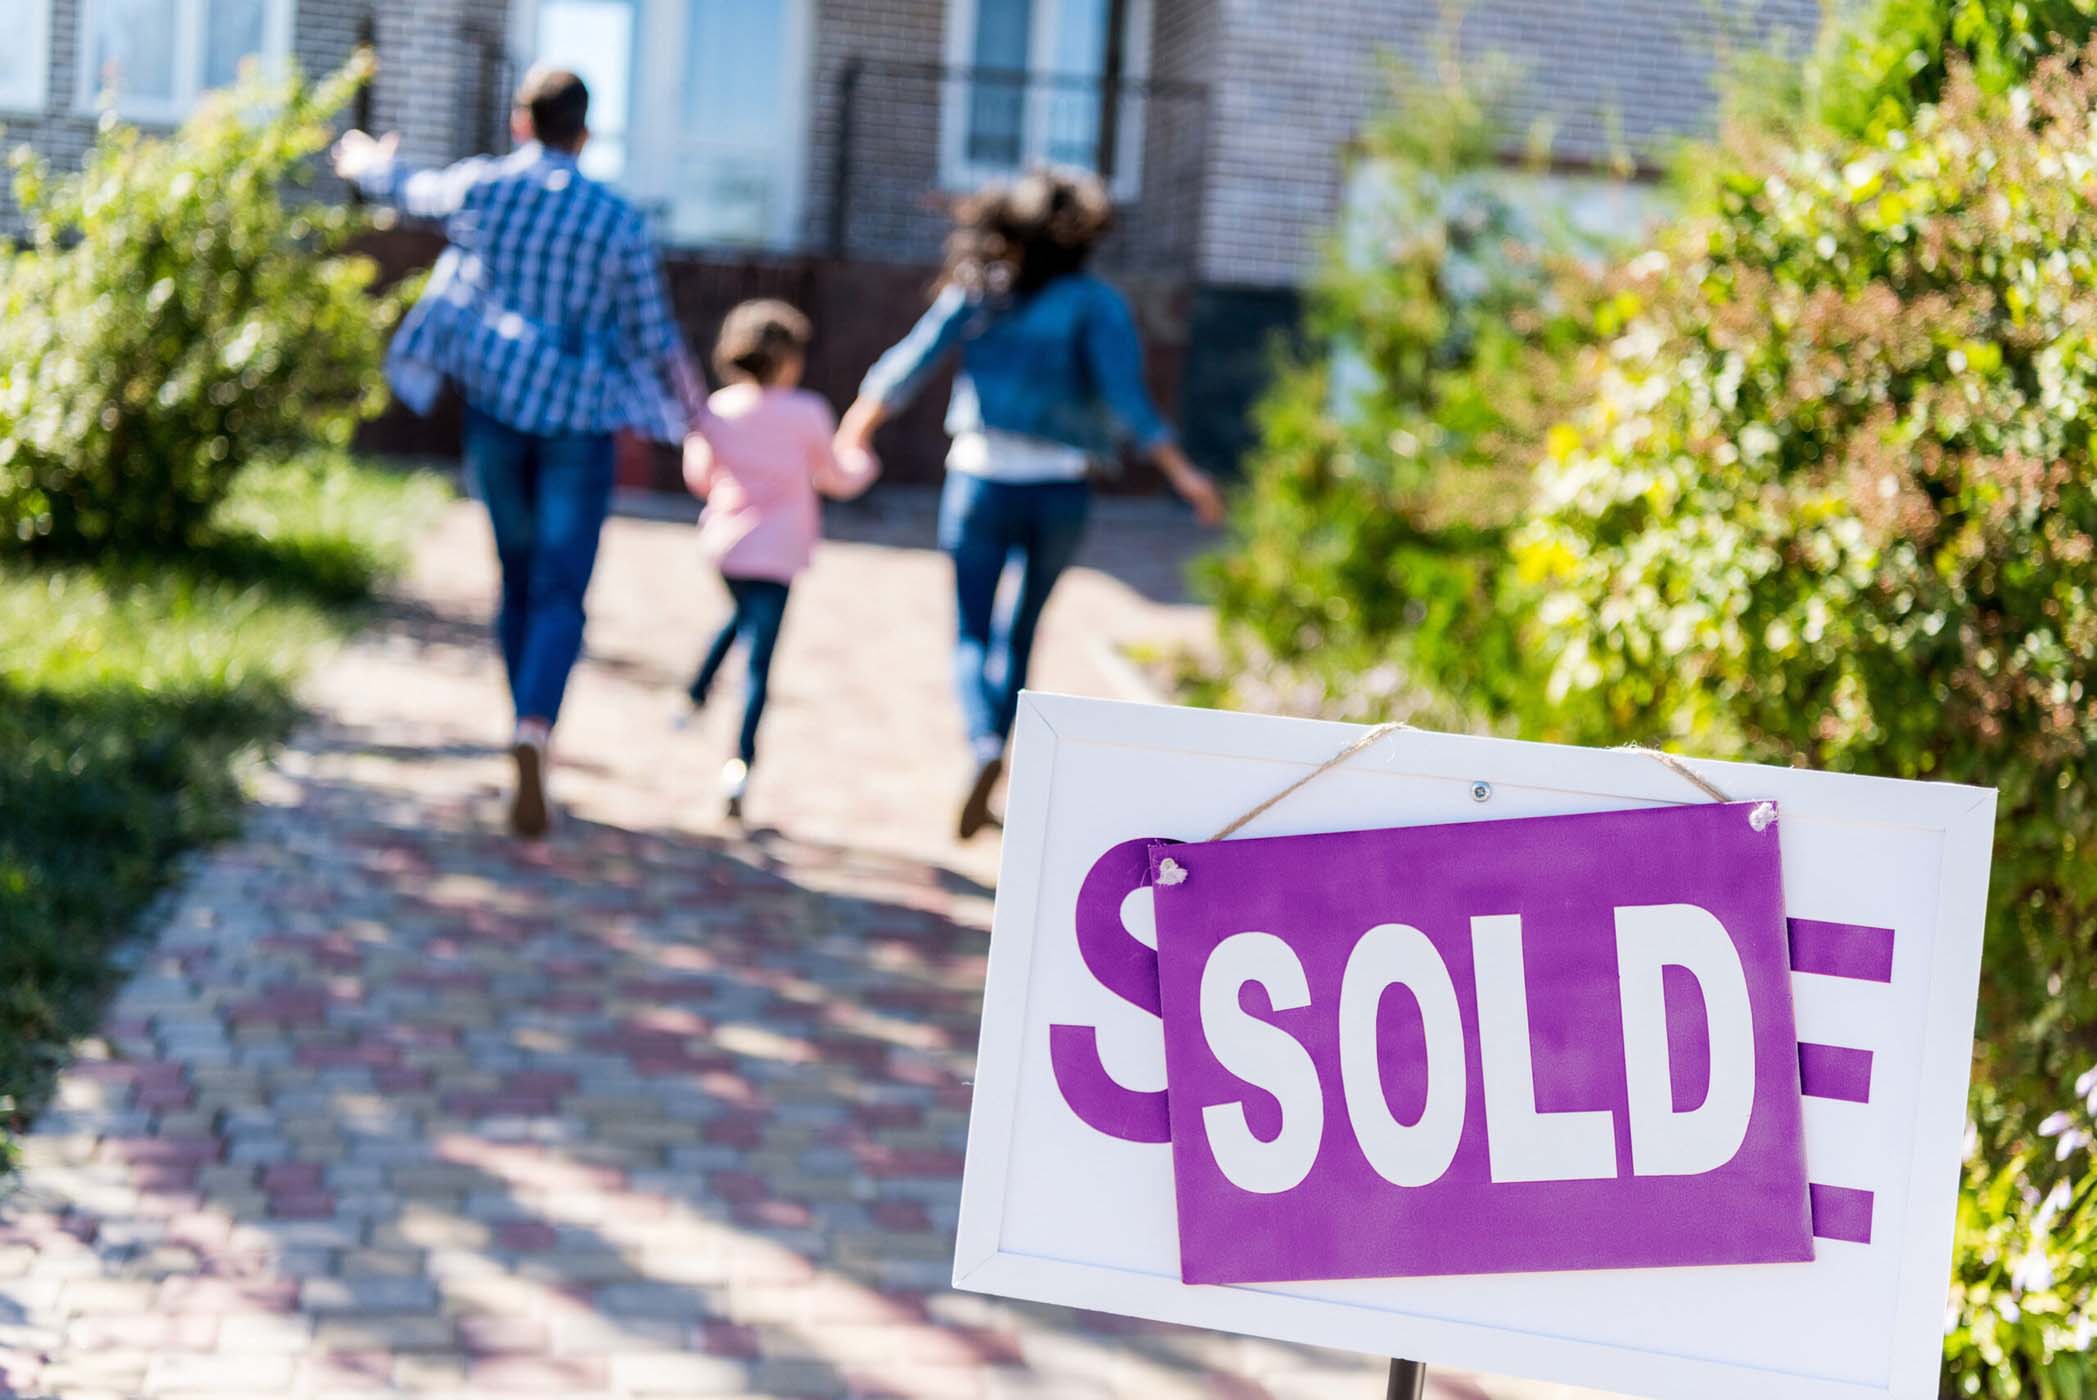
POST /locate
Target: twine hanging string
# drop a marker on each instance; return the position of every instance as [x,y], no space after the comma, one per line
[1661,756]
[1366,741]
[1760,817]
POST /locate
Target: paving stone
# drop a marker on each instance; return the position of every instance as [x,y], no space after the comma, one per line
[654,1108]
[678,1373]
[218,1373]
[383,1332]
[366,1295]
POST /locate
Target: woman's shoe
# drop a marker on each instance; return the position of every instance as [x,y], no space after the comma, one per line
[735,785]
[530,814]
[975,808]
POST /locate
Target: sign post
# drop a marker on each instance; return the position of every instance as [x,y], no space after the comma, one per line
[1408,1381]
[1591,1079]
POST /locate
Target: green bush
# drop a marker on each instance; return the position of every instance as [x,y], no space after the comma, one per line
[1833,502]
[1394,451]
[1828,497]
[2024,1318]
[1871,75]
[1876,63]
[173,318]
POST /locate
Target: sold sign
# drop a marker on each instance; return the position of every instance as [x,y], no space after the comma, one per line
[1540,1044]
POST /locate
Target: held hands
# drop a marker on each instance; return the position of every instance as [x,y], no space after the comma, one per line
[698,464]
[855,435]
[359,153]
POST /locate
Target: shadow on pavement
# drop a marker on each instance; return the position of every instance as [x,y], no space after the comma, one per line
[633,1110]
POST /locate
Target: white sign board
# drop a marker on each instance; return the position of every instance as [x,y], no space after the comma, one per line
[1058,1211]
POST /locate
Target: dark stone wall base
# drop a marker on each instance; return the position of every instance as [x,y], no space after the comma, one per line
[1233,338]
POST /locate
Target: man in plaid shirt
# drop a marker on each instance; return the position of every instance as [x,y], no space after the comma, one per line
[549,315]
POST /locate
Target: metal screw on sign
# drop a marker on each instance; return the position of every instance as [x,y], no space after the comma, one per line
[1481,791]
[1408,1378]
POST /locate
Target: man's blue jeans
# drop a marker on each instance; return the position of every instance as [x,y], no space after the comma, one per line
[760,608]
[986,527]
[547,498]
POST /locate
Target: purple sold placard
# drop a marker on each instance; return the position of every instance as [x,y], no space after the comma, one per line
[1509,1046]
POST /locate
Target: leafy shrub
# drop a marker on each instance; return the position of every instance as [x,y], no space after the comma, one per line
[173,318]
[1828,498]
[1873,73]
[2027,1239]
[1876,63]
[1833,502]
[1393,453]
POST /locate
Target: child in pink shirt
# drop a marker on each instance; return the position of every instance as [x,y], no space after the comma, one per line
[759,458]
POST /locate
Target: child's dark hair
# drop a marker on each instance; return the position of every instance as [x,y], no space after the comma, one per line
[758,338]
[1017,238]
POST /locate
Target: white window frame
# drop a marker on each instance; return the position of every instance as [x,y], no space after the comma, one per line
[36,92]
[958,172]
[525,21]
[658,148]
[665,149]
[278,23]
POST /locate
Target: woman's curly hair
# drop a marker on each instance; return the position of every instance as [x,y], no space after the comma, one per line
[1014,238]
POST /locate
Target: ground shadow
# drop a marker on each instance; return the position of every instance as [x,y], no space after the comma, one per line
[1146,543]
[634,1087]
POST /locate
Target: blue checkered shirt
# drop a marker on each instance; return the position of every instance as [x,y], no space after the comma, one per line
[548,309]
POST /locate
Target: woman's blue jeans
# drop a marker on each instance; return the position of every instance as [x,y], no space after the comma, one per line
[987,528]
[547,498]
[760,609]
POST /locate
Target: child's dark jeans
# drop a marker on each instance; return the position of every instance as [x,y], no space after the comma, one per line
[760,608]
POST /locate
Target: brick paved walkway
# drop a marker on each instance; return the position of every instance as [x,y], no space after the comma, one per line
[395,1105]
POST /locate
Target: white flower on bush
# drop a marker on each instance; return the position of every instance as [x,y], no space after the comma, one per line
[1758,442]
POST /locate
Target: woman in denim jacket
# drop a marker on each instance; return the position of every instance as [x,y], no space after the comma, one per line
[1051,380]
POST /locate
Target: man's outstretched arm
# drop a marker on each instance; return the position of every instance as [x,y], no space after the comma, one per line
[373,165]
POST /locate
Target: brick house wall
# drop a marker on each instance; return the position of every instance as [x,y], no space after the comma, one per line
[58,134]
[1242,178]
[895,144]
[435,58]
[1292,83]
[1186,38]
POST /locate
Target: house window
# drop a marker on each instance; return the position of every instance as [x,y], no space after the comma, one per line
[1035,81]
[697,107]
[25,65]
[734,154]
[594,39]
[154,58]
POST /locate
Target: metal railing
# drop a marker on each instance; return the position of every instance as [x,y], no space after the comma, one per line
[911,137]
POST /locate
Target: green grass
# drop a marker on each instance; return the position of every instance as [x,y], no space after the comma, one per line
[131,694]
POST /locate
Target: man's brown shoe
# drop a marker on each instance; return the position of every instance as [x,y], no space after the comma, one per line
[529,814]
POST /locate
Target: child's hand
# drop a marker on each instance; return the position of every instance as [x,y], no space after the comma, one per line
[698,464]
[842,475]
